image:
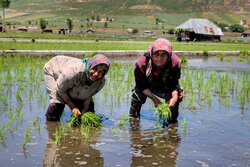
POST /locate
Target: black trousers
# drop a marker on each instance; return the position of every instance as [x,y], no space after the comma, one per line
[55,110]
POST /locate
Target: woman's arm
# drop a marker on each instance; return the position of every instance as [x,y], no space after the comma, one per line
[174,99]
[149,94]
[65,82]
[75,111]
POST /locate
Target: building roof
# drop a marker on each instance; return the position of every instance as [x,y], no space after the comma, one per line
[201,26]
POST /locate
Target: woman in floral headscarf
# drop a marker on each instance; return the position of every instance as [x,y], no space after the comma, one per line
[73,81]
[157,74]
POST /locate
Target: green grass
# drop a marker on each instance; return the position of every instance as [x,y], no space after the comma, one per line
[117,46]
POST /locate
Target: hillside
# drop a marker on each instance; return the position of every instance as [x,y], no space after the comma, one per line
[127,13]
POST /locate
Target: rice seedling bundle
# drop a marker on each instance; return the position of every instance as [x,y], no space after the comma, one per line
[164,114]
[91,119]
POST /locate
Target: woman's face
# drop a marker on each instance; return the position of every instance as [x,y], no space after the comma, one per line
[97,72]
[160,58]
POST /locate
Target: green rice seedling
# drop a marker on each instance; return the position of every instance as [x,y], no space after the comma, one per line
[85,132]
[60,132]
[58,136]
[205,53]
[184,124]
[26,138]
[91,119]
[221,57]
[2,133]
[123,120]
[240,59]
[164,114]
[208,94]
[38,127]
[243,94]
[184,60]
[3,101]
[19,111]
[35,123]
[35,120]
[30,94]
[18,95]
[74,121]
[244,53]
[228,59]
[248,60]
[191,102]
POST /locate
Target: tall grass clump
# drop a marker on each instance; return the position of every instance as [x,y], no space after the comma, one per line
[221,57]
[244,53]
[205,53]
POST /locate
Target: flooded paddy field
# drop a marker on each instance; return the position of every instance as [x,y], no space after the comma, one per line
[212,130]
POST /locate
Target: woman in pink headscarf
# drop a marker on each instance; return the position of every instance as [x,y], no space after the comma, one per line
[73,81]
[157,74]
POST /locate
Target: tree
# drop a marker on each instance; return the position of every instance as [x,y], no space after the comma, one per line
[70,24]
[106,24]
[98,18]
[157,21]
[43,24]
[4,5]
[236,28]
[223,26]
[135,30]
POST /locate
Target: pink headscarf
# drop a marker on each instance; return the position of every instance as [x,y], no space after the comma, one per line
[94,61]
[159,44]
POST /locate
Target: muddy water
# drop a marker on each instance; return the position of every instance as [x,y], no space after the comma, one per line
[216,133]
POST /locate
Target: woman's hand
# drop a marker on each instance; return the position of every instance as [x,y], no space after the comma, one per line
[76,112]
[157,102]
[174,99]
[172,102]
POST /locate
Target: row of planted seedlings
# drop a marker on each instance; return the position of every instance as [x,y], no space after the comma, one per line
[202,86]
[21,86]
[119,84]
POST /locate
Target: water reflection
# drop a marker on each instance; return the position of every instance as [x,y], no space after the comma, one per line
[72,151]
[151,147]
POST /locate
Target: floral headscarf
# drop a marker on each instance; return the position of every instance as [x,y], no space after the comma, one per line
[94,61]
[159,44]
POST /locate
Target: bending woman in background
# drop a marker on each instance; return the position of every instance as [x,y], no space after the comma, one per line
[73,81]
[157,74]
